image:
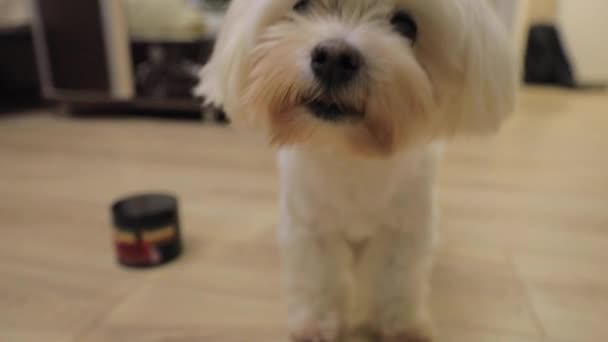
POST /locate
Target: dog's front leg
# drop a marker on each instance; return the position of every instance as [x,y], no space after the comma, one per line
[316,278]
[398,267]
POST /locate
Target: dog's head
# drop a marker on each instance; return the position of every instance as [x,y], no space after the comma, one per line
[367,76]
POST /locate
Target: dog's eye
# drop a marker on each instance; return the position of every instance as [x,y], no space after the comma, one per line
[301,5]
[405,25]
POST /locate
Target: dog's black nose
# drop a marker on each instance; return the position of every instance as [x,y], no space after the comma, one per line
[335,63]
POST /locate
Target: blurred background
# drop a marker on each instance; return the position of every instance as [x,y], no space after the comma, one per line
[96,104]
[145,53]
[136,54]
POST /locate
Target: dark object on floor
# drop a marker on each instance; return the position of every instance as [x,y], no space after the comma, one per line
[221,117]
[547,61]
[215,114]
[147,230]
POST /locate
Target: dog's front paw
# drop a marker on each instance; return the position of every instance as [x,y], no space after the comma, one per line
[326,328]
[416,333]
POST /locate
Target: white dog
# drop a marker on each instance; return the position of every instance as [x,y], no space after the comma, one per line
[357,95]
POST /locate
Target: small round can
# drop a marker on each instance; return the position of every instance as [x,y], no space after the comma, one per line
[146,230]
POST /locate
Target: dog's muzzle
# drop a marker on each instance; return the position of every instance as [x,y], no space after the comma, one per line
[333,111]
[335,63]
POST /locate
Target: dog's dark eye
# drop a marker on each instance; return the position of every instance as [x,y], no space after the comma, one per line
[405,25]
[301,5]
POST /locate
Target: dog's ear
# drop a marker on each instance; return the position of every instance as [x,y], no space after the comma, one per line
[223,78]
[219,76]
[485,92]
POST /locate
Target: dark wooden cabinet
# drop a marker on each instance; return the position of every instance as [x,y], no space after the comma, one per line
[82,50]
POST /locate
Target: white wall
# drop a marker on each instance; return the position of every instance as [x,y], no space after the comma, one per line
[543,10]
[14,13]
[585,29]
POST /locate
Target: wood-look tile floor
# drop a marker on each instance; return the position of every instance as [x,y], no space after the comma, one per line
[524,256]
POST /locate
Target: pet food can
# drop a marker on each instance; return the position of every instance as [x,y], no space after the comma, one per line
[146,230]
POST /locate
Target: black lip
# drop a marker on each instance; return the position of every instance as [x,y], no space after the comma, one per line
[331,111]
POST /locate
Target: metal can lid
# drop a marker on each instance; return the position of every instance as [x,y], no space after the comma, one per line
[145,211]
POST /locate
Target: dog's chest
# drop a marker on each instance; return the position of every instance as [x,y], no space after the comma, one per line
[356,206]
[355,198]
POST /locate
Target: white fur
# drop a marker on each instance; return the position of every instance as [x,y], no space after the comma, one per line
[331,204]
[357,209]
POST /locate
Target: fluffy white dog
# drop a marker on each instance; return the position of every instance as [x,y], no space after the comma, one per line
[357,95]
